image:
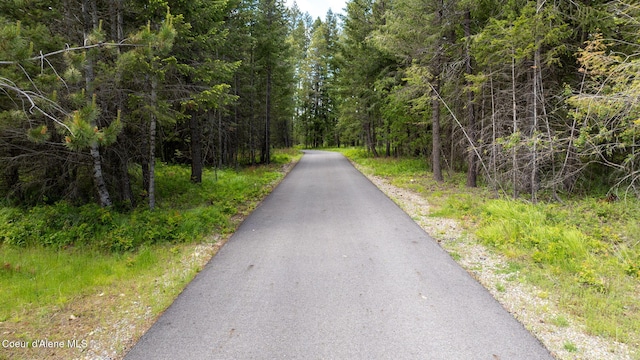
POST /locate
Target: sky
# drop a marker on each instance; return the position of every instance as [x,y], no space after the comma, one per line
[318,8]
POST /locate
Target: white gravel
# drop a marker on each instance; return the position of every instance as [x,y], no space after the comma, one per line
[531,306]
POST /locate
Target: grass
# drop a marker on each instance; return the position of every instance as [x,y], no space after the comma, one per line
[41,278]
[560,321]
[583,253]
[570,347]
[63,295]
[66,271]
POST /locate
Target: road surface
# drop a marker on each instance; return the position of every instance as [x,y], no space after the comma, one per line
[328,267]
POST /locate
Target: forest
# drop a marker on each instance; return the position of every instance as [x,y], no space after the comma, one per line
[530,98]
[136,134]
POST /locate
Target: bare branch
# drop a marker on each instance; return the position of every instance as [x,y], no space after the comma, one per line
[41,57]
[31,98]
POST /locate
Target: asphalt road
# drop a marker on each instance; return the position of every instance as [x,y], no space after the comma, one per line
[328,267]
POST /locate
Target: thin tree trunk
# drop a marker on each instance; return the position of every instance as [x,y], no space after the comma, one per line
[494,136]
[222,149]
[515,125]
[436,144]
[266,149]
[120,18]
[152,144]
[388,140]
[196,149]
[98,177]
[436,147]
[90,23]
[370,136]
[534,131]
[126,190]
[472,174]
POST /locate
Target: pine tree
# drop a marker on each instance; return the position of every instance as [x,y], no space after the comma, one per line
[362,64]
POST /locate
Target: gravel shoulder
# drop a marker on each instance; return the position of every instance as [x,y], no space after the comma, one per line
[534,308]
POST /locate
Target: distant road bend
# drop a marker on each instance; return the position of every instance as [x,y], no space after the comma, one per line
[328,267]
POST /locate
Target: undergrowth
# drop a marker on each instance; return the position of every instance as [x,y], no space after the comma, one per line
[185,212]
[35,277]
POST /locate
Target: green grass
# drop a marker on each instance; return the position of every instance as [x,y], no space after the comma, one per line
[575,254]
[560,321]
[38,277]
[570,347]
[584,253]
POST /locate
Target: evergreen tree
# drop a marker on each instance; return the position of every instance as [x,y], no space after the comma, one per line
[362,64]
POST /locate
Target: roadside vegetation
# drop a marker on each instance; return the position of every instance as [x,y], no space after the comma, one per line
[66,271]
[583,252]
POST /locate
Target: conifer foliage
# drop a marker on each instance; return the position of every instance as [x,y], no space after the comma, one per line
[525,96]
[90,101]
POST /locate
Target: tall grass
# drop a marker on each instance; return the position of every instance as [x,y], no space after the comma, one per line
[34,277]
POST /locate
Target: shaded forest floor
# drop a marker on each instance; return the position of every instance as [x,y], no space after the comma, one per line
[568,271]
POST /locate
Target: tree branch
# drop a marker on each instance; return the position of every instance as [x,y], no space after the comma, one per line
[41,57]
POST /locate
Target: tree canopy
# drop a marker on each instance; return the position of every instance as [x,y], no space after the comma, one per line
[525,96]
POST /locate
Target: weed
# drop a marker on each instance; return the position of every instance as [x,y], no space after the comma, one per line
[510,268]
[570,347]
[560,321]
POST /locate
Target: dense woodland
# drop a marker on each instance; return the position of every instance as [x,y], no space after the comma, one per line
[527,97]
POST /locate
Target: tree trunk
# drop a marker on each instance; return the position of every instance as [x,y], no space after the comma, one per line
[472,174]
[388,140]
[515,126]
[125,185]
[369,133]
[266,147]
[222,150]
[494,136]
[98,177]
[90,23]
[534,131]
[436,69]
[115,15]
[436,144]
[196,148]
[152,144]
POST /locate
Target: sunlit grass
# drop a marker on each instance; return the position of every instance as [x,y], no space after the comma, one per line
[37,277]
